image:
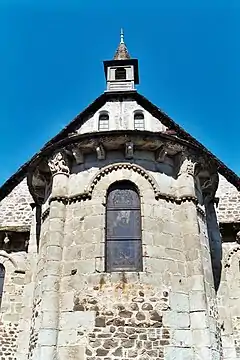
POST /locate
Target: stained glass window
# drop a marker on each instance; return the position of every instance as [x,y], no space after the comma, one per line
[139,121]
[103,123]
[2,276]
[123,228]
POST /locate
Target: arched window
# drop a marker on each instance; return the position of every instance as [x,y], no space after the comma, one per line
[2,276]
[103,123]
[139,120]
[120,74]
[123,228]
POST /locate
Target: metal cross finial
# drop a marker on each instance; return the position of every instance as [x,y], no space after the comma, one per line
[122,36]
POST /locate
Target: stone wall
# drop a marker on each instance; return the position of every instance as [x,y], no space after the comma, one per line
[11,305]
[228,209]
[228,294]
[15,209]
[163,312]
[121,117]
[228,301]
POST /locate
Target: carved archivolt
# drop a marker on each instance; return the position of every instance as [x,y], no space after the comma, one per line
[136,168]
[87,194]
[230,255]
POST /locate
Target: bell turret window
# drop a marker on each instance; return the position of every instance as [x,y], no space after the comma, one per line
[120,73]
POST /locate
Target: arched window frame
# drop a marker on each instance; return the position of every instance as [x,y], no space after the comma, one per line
[2,278]
[120,73]
[103,121]
[123,252]
[139,120]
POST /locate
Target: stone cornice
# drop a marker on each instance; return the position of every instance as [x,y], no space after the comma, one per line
[73,150]
[95,106]
[87,196]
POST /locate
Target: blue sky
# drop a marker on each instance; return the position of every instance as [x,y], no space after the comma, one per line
[51,67]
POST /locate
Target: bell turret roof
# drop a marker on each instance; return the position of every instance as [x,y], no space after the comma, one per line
[122,51]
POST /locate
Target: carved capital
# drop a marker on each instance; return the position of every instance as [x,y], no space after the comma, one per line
[58,164]
[187,166]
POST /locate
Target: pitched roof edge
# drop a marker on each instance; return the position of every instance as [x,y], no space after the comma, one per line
[230,175]
[19,175]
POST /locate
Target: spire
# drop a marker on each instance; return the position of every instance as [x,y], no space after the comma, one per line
[122,51]
[122,36]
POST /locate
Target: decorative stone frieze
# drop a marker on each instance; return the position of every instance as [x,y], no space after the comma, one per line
[87,194]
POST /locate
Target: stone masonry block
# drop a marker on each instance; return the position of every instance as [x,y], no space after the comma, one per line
[176,320]
[179,302]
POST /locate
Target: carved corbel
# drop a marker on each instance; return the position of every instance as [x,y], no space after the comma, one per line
[129,150]
[209,186]
[58,164]
[173,147]
[160,154]
[101,154]
[6,239]
[78,156]
[40,184]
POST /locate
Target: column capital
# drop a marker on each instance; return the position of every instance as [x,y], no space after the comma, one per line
[59,164]
[187,165]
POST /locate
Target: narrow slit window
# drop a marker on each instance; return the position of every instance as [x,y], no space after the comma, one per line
[2,277]
[123,228]
[103,123]
[120,74]
[139,121]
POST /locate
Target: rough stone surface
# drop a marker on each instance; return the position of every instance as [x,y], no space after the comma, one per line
[59,302]
[228,209]
[15,209]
